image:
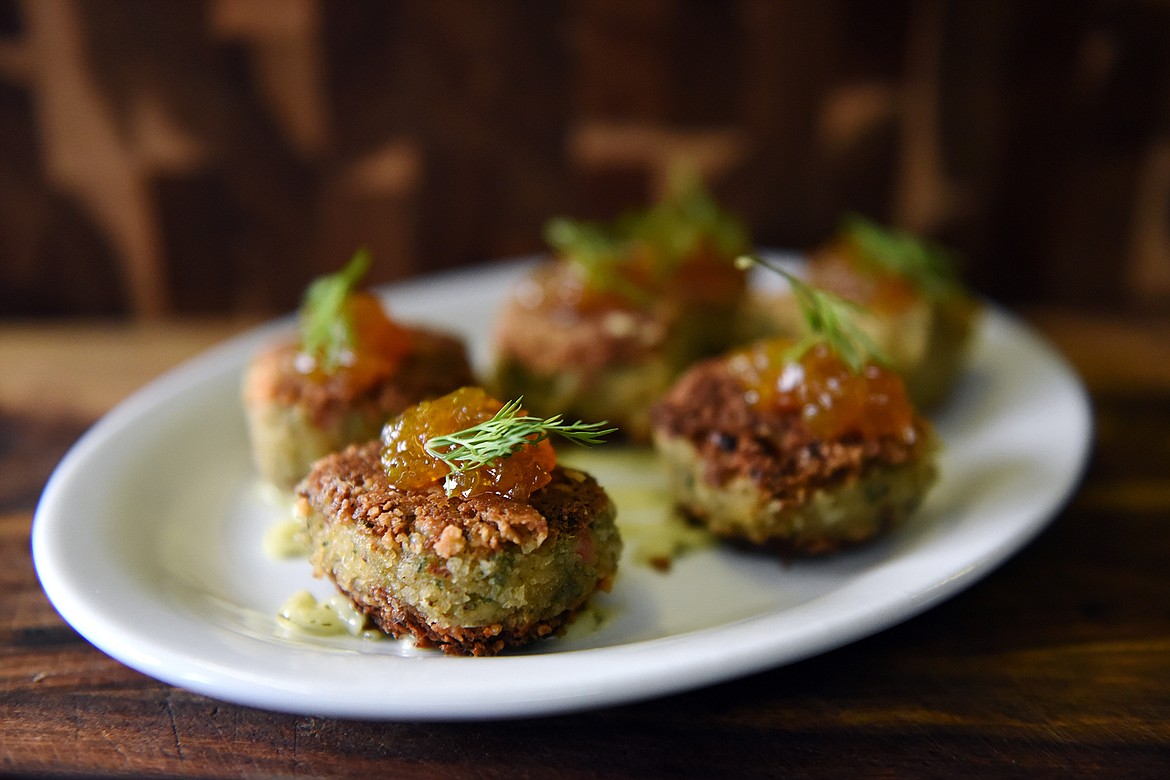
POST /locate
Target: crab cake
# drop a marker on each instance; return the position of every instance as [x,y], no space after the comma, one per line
[606,362]
[602,329]
[297,416]
[800,454]
[304,401]
[922,318]
[467,570]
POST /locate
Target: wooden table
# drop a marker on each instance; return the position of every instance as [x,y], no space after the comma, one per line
[1057,664]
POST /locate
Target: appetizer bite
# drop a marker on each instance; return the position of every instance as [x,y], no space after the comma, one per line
[808,446]
[350,369]
[923,318]
[458,527]
[601,330]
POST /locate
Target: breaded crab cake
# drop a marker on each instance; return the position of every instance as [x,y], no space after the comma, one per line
[793,469]
[471,562]
[922,318]
[351,369]
[602,329]
[806,446]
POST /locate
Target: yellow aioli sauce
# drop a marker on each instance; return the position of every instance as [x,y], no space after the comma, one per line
[336,616]
[589,620]
[653,532]
[302,613]
[658,545]
[286,539]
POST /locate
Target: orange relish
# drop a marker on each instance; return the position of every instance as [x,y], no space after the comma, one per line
[569,287]
[708,277]
[409,466]
[833,401]
[844,268]
[642,278]
[379,345]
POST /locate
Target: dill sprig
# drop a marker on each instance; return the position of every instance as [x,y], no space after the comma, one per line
[923,264]
[598,251]
[586,242]
[687,215]
[636,253]
[504,434]
[326,326]
[829,318]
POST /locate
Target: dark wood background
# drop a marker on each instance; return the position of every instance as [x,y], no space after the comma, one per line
[202,156]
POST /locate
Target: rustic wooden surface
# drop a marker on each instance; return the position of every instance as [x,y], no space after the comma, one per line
[1058,664]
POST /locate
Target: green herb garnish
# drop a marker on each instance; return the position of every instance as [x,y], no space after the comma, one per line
[505,433]
[686,216]
[635,254]
[326,326]
[926,266]
[585,242]
[598,252]
[829,318]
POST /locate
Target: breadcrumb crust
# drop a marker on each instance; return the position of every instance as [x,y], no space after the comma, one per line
[761,476]
[469,576]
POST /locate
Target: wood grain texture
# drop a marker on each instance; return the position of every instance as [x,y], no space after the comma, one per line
[1057,664]
[210,156]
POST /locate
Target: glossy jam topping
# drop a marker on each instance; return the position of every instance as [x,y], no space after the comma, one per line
[843,268]
[626,286]
[642,277]
[410,466]
[380,345]
[833,402]
[708,277]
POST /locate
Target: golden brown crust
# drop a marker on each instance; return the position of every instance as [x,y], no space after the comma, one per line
[399,619]
[814,520]
[546,335]
[416,562]
[352,487]
[775,450]
[436,364]
[598,356]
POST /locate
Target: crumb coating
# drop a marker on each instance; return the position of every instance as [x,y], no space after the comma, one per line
[295,418]
[605,363]
[761,476]
[926,337]
[469,576]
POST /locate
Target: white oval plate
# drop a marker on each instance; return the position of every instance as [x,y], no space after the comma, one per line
[148,540]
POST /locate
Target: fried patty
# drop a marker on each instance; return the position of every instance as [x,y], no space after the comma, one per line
[603,364]
[294,419]
[469,576]
[761,476]
[926,337]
